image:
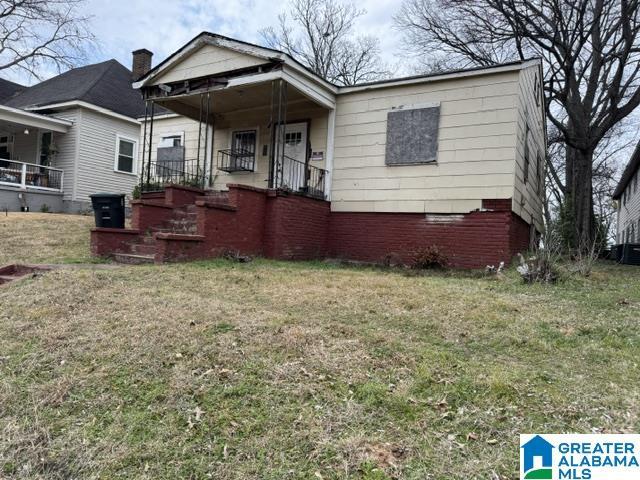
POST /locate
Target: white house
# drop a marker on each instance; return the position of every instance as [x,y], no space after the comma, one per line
[68,137]
[453,159]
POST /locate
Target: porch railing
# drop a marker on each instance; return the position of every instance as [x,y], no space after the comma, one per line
[30,175]
[159,174]
[297,176]
[236,161]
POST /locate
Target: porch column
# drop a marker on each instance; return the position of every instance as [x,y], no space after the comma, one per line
[331,131]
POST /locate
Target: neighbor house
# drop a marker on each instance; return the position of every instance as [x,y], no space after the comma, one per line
[68,137]
[243,149]
[628,199]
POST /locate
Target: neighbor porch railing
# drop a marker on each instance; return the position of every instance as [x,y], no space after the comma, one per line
[159,174]
[30,175]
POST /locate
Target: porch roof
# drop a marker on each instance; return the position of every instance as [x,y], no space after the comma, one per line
[23,118]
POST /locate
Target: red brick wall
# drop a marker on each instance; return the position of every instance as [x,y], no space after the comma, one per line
[107,241]
[472,240]
[240,229]
[296,227]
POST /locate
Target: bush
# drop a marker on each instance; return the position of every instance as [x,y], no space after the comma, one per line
[44,208]
[429,258]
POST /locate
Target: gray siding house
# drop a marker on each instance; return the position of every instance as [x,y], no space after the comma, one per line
[69,137]
[627,195]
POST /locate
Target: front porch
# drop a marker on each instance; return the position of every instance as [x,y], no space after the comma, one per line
[29,175]
[261,132]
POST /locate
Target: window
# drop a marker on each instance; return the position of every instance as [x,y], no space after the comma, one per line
[635,183]
[125,155]
[6,142]
[540,170]
[536,90]
[46,140]
[525,174]
[412,136]
[173,140]
[293,138]
[243,143]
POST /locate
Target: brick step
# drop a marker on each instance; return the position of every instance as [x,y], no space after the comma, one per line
[143,248]
[133,259]
[149,240]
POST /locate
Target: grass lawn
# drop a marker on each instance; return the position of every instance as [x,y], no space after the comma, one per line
[44,238]
[276,370]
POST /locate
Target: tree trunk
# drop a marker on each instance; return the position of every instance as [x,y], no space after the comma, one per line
[579,198]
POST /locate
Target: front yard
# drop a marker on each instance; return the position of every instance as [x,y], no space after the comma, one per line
[278,370]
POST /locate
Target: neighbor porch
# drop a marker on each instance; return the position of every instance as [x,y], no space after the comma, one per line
[28,160]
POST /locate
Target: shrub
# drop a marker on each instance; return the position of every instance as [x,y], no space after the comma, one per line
[542,264]
[44,208]
[136,194]
[429,258]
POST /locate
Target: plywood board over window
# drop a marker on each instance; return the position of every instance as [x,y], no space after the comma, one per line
[412,136]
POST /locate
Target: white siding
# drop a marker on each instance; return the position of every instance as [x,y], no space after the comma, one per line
[629,212]
[208,60]
[528,198]
[96,155]
[67,155]
[476,147]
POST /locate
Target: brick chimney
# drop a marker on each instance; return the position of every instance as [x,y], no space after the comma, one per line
[141,63]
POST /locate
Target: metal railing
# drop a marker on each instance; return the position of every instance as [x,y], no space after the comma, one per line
[297,176]
[236,161]
[30,175]
[159,174]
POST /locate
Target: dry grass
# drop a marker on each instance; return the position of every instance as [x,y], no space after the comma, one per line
[44,238]
[294,371]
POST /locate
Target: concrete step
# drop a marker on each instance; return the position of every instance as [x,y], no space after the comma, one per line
[133,259]
[143,248]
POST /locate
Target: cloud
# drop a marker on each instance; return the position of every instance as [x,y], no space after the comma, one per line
[163,26]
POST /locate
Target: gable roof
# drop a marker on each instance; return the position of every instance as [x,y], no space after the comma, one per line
[270,54]
[106,84]
[629,171]
[9,89]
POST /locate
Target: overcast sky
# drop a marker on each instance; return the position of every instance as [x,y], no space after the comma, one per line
[163,26]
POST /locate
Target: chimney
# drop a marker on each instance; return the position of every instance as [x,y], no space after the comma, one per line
[141,63]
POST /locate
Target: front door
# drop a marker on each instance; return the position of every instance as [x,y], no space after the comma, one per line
[291,170]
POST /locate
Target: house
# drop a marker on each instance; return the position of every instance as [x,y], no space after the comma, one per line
[253,153]
[68,137]
[628,198]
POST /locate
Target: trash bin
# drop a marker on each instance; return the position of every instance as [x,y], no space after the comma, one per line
[630,254]
[108,209]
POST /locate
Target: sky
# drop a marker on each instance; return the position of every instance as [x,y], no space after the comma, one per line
[163,26]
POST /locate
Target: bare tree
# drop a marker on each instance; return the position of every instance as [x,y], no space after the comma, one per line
[319,33]
[37,34]
[592,68]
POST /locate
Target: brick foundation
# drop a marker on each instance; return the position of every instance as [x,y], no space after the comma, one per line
[274,224]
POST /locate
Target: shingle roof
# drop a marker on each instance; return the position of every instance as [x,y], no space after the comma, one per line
[106,84]
[9,89]
[629,172]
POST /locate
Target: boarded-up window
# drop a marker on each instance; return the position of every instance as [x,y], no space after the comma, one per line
[412,136]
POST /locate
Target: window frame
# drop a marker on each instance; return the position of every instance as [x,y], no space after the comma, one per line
[256,129]
[169,135]
[436,139]
[134,159]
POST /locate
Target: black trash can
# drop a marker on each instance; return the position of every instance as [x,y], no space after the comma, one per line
[108,209]
[631,254]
